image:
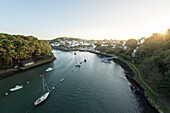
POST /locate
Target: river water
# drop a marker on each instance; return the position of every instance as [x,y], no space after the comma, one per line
[95,87]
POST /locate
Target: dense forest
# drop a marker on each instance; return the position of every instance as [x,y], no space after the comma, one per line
[17,48]
[152,57]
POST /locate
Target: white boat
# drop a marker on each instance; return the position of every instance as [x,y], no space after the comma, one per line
[17,87]
[42,98]
[45,95]
[49,69]
[62,79]
[105,60]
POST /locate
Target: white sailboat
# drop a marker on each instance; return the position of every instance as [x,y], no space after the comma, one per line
[45,95]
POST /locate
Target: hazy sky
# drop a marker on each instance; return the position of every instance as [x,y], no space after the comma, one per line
[90,19]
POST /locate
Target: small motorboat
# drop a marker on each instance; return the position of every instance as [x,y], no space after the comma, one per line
[77,65]
[105,60]
[17,87]
[49,69]
[42,98]
[62,79]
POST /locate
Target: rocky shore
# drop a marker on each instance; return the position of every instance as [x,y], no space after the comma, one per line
[11,72]
[136,88]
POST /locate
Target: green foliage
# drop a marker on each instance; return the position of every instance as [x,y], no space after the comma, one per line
[17,48]
[154,59]
[102,48]
[131,44]
[64,38]
[164,86]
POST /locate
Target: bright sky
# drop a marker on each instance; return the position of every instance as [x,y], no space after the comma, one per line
[88,19]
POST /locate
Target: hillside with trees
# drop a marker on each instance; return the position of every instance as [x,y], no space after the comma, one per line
[152,57]
[14,49]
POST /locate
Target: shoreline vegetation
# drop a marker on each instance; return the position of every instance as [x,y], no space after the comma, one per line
[18,53]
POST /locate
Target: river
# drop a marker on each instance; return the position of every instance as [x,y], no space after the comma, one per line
[95,87]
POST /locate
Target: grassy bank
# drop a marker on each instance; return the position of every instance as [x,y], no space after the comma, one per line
[151,95]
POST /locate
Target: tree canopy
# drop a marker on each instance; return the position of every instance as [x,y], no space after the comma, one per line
[153,56]
[17,48]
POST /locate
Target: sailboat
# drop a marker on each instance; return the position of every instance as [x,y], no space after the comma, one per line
[45,95]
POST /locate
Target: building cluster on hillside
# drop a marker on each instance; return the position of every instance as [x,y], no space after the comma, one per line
[73,44]
[91,45]
[141,41]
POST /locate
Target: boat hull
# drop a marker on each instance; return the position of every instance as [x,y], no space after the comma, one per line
[41,99]
[16,88]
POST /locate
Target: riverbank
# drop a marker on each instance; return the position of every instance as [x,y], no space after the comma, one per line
[156,100]
[12,71]
[70,49]
[136,88]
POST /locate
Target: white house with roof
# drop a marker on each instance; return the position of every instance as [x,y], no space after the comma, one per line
[134,51]
[104,44]
[55,44]
[141,41]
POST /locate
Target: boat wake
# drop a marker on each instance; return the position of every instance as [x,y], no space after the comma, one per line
[29,110]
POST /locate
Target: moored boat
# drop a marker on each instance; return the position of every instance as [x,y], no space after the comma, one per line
[84,60]
[42,98]
[105,60]
[62,79]
[17,87]
[49,69]
[77,65]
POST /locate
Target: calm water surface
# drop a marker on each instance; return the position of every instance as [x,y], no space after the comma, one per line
[95,87]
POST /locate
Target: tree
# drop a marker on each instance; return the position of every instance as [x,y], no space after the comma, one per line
[131,44]
[17,48]
[164,86]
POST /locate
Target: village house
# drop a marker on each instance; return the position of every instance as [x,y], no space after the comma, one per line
[27,62]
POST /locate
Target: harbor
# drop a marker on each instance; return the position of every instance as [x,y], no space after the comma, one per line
[98,88]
